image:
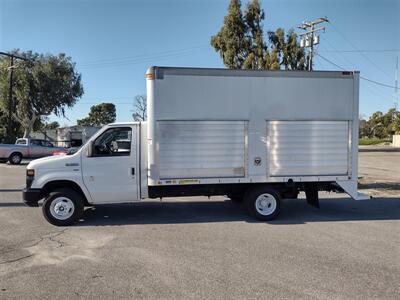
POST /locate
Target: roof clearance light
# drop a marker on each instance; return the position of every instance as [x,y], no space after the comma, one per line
[347,73]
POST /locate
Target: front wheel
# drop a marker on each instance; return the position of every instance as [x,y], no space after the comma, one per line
[263,203]
[63,207]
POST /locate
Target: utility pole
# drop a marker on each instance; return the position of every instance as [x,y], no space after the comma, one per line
[309,39]
[396,82]
[10,92]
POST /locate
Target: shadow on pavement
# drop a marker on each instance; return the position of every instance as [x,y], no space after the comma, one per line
[12,204]
[23,163]
[380,185]
[293,212]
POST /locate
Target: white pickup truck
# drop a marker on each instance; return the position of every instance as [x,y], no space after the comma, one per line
[256,136]
[27,148]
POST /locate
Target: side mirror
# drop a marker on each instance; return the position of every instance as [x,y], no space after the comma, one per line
[90,150]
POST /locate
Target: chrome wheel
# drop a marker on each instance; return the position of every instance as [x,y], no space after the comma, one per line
[62,208]
[265,204]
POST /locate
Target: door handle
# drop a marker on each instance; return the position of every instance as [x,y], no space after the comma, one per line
[133,171]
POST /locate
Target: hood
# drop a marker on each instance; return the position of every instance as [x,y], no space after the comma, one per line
[54,162]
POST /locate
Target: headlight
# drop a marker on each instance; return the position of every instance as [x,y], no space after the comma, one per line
[30,173]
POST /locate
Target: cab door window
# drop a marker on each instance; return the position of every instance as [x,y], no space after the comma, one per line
[113,142]
[35,143]
[47,144]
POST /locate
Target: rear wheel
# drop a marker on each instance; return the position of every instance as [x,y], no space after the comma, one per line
[63,207]
[15,158]
[263,203]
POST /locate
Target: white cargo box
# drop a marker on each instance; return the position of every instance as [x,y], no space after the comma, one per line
[209,126]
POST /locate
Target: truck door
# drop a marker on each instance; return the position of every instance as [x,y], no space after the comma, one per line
[111,172]
[35,149]
[47,148]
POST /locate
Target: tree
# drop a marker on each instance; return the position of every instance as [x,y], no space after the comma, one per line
[253,18]
[289,54]
[231,41]
[380,125]
[364,128]
[44,85]
[140,108]
[241,44]
[99,115]
[52,125]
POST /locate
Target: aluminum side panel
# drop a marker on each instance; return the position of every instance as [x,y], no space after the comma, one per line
[306,148]
[201,149]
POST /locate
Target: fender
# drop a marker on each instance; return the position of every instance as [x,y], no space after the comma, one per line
[50,176]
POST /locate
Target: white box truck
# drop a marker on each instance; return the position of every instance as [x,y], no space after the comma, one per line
[256,136]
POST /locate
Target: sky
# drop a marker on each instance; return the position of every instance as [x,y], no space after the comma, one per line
[113,42]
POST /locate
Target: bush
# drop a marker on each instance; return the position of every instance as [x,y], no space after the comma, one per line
[373,141]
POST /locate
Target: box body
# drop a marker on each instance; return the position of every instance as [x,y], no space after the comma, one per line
[210,126]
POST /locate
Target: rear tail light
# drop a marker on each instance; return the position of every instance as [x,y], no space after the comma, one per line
[60,152]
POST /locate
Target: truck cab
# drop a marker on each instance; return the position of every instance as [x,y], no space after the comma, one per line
[105,170]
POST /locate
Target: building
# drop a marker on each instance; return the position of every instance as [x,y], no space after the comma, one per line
[71,136]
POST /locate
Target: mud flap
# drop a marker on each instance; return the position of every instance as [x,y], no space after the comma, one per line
[311,190]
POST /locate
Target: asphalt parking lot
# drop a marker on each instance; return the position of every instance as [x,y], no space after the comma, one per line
[200,248]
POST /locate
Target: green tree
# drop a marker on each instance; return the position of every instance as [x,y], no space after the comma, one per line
[51,125]
[44,85]
[241,44]
[99,115]
[389,121]
[364,130]
[289,54]
[376,124]
[257,50]
[231,41]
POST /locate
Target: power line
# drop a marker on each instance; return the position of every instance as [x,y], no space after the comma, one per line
[364,78]
[378,83]
[357,50]
[141,58]
[137,62]
[370,87]
[172,51]
[331,62]
[348,62]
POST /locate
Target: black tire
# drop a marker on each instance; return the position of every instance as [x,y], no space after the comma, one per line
[15,158]
[236,198]
[263,203]
[66,198]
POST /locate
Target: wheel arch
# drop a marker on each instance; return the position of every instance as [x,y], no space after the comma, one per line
[55,184]
[15,152]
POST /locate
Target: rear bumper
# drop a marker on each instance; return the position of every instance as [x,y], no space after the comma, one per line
[31,197]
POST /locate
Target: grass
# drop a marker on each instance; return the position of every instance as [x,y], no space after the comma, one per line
[373,141]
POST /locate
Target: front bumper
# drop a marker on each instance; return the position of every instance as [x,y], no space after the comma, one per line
[31,197]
